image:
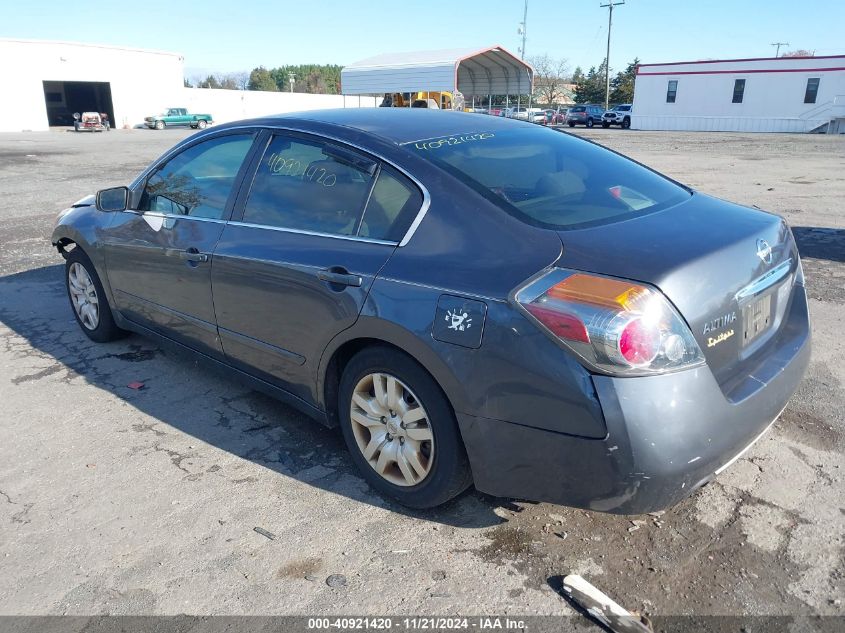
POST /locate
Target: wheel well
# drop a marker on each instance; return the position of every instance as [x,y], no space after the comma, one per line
[65,245]
[341,357]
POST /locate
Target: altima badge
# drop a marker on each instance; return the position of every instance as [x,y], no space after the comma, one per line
[764,251]
[717,324]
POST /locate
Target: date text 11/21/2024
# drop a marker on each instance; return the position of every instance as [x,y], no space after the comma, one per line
[423,623]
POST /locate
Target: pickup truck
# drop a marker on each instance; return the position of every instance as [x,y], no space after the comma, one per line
[620,115]
[177,116]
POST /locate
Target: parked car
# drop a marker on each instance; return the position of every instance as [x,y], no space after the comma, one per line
[522,113]
[174,117]
[638,337]
[545,118]
[587,115]
[618,115]
[559,117]
[90,122]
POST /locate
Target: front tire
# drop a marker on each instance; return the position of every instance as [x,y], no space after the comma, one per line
[159,125]
[626,123]
[605,125]
[589,123]
[571,124]
[400,429]
[201,124]
[88,299]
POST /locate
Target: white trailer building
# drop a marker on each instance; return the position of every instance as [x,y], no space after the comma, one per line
[781,94]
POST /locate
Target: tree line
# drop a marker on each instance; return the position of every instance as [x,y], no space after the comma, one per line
[312,78]
[552,81]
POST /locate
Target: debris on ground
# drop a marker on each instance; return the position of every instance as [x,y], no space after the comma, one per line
[136,385]
[264,532]
[602,608]
[336,580]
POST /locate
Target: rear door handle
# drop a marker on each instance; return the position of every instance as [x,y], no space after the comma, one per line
[193,255]
[339,278]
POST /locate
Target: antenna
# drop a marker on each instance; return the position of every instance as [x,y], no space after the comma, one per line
[609,6]
[778,45]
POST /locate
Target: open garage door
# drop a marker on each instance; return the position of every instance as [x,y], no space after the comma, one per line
[63,98]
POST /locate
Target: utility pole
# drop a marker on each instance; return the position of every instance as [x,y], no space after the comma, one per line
[777,46]
[523,29]
[291,78]
[609,6]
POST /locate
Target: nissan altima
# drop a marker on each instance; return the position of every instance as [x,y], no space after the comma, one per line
[472,300]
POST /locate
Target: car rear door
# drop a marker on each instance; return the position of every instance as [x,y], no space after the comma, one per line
[294,265]
[159,253]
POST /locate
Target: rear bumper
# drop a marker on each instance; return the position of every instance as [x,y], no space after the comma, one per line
[667,435]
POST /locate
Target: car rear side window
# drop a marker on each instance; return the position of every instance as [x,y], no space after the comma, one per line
[197,182]
[551,179]
[393,205]
[307,185]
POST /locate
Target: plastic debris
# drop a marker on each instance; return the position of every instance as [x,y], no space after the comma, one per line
[602,608]
[264,532]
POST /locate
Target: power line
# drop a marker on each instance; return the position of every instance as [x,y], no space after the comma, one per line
[609,6]
[778,45]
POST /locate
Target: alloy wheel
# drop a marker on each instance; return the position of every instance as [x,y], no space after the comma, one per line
[392,429]
[83,295]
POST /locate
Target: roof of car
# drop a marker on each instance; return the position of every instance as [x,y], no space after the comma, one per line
[399,125]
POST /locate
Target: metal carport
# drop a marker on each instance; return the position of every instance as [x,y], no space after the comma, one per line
[488,71]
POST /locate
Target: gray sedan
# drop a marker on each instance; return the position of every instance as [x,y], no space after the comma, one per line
[471,300]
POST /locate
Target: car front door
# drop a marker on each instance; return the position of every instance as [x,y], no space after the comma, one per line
[159,253]
[293,267]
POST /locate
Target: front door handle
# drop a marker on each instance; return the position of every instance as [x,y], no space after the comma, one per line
[340,278]
[193,255]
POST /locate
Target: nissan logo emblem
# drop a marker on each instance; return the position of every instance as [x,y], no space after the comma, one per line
[764,251]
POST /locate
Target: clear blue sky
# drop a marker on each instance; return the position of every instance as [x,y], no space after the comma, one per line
[225,36]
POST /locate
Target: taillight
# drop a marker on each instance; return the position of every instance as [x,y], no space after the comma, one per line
[616,326]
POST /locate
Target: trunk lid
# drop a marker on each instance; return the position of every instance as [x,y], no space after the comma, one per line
[727,269]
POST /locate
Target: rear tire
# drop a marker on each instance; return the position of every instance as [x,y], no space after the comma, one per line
[421,465]
[571,124]
[88,299]
[589,123]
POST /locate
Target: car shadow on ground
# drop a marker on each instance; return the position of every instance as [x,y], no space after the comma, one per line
[185,394]
[820,243]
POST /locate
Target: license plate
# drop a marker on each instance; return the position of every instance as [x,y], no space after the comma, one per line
[756,318]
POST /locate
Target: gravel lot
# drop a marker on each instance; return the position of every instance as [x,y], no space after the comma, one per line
[145,502]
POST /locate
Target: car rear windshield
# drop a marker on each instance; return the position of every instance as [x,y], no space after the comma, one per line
[551,179]
[578,109]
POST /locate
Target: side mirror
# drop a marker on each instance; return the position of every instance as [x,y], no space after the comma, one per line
[114,199]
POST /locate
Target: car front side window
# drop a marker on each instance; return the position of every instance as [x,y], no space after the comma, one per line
[308,185]
[197,182]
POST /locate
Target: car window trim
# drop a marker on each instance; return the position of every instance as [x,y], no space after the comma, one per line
[140,183]
[282,229]
[250,174]
[269,129]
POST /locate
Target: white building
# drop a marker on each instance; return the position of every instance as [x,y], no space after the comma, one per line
[45,82]
[782,94]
